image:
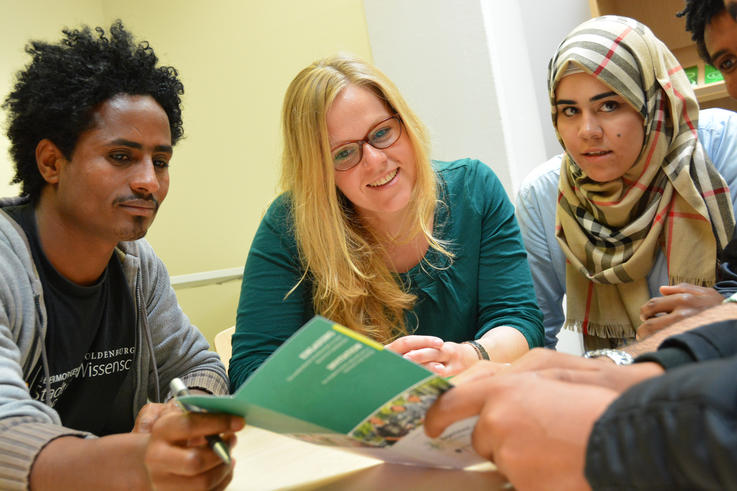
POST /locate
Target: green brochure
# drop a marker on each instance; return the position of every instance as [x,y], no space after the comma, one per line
[331,386]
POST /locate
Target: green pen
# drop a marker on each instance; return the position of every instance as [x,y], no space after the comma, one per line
[216,443]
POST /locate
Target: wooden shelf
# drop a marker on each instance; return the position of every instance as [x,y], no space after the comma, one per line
[660,17]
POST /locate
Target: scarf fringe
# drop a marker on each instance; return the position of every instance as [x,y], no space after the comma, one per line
[674,280]
[611,330]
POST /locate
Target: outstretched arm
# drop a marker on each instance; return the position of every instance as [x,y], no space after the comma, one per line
[449,358]
[670,432]
[715,314]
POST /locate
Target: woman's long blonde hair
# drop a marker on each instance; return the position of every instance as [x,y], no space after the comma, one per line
[343,258]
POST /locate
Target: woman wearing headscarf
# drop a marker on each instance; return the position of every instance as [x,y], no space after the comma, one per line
[639,203]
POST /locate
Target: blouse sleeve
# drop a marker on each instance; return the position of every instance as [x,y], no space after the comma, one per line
[505,292]
[267,312]
[536,202]
[718,135]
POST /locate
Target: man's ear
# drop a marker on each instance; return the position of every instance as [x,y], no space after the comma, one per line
[49,160]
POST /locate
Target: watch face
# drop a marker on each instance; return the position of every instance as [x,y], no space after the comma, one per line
[617,356]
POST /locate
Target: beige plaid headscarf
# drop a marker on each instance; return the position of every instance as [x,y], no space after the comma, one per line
[672,199]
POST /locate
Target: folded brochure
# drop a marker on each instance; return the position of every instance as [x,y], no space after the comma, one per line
[332,386]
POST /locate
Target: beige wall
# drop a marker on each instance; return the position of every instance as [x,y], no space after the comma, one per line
[21,20]
[236,58]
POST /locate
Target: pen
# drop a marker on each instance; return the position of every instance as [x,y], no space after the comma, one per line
[216,443]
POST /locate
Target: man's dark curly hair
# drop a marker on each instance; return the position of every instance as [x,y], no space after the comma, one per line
[698,15]
[56,94]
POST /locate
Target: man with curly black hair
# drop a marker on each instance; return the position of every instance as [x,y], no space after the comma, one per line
[90,328]
[714,30]
[699,14]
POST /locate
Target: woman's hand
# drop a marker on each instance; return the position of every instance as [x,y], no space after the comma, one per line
[444,358]
[678,302]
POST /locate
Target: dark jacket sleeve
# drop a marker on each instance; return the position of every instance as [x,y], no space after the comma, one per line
[677,431]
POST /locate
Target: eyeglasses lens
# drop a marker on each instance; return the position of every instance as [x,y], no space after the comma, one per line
[381,136]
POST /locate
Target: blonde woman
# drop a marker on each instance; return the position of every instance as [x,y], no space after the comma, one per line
[370,233]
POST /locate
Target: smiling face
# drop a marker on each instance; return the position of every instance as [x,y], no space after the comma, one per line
[118,174]
[381,184]
[601,131]
[720,38]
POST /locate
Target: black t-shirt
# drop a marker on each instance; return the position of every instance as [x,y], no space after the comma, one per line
[90,343]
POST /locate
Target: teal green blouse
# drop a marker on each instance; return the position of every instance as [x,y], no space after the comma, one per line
[488,283]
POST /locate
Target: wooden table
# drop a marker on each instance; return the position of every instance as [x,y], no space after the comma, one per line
[266,460]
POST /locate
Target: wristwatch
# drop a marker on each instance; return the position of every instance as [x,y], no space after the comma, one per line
[617,356]
[731,298]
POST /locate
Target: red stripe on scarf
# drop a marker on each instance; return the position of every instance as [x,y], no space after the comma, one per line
[675,69]
[684,110]
[693,216]
[585,325]
[714,192]
[611,51]
[664,212]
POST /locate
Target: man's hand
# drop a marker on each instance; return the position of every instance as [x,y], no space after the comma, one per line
[566,368]
[533,428]
[678,302]
[148,415]
[177,455]
[443,358]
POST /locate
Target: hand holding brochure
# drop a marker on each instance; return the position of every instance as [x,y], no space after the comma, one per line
[331,386]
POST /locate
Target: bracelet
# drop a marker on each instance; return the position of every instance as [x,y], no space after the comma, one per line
[479,349]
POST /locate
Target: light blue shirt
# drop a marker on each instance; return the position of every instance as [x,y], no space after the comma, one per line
[536,206]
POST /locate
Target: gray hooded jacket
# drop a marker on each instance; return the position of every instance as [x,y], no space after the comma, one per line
[167,346]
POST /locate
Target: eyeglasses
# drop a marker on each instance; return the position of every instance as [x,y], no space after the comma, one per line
[383,135]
